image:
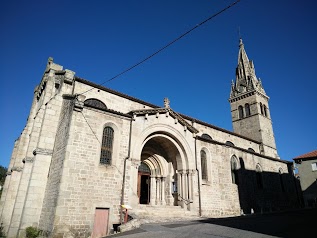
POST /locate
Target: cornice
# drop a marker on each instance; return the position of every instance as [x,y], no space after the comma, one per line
[170,112]
[40,151]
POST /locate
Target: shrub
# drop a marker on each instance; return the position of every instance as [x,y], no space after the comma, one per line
[2,235]
[32,232]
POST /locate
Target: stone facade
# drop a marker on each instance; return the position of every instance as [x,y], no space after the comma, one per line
[59,178]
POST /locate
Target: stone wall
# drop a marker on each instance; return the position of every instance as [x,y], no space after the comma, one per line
[220,197]
[85,183]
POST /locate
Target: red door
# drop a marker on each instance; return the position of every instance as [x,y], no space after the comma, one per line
[100,223]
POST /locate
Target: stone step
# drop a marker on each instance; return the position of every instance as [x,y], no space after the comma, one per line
[155,212]
[142,214]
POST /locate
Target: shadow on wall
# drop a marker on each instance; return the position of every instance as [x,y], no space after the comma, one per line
[310,195]
[261,192]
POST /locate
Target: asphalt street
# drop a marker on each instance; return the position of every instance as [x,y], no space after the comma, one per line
[297,223]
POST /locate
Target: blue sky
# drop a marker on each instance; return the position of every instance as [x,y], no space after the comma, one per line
[99,39]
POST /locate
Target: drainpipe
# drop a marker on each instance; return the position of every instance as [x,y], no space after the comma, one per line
[199,194]
[124,169]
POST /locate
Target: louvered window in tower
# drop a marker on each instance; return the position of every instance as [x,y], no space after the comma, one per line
[247,110]
[241,114]
[265,110]
[106,146]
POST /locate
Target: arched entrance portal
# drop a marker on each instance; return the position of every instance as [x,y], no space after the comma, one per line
[162,175]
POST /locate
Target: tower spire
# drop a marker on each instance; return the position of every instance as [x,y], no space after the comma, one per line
[246,79]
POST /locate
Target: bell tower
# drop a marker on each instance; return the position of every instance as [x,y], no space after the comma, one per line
[250,106]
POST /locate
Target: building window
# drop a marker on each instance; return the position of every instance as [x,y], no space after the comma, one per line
[314,166]
[92,102]
[241,114]
[203,158]
[234,170]
[261,107]
[247,110]
[206,136]
[106,146]
[280,172]
[229,143]
[259,178]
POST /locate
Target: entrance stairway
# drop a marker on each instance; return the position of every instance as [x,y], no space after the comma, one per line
[152,214]
[160,213]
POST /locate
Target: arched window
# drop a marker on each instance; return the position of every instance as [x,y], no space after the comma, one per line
[106,146]
[206,136]
[203,158]
[229,143]
[92,102]
[259,178]
[241,114]
[280,173]
[247,110]
[261,107]
[234,170]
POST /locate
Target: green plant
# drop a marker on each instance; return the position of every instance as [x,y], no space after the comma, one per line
[2,235]
[32,232]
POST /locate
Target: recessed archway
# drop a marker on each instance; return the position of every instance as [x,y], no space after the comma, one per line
[169,181]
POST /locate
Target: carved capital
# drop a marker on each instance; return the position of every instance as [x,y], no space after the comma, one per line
[181,171]
[135,162]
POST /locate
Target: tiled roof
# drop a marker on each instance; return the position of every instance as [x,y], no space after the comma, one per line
[307,155]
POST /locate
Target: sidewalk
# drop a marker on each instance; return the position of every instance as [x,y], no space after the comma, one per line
[290,224]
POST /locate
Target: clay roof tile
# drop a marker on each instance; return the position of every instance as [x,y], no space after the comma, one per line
[311,154]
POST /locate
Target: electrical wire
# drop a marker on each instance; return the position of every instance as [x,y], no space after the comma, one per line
[166,46]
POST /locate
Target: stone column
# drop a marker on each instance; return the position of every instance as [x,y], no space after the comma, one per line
[153,190]
[179,188]
[158,200]
[191,184]
[184,183]
[190,188]
[163,191]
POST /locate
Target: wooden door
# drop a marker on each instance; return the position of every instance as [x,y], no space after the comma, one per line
[144,188]
[100,223]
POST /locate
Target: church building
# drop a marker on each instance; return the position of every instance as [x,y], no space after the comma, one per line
[87,150]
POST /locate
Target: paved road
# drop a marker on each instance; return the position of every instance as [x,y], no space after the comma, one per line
[291,224]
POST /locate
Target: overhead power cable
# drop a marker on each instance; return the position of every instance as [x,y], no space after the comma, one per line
[166,46]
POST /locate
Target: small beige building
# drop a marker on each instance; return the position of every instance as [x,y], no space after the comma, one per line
[86,150]
[307,171]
